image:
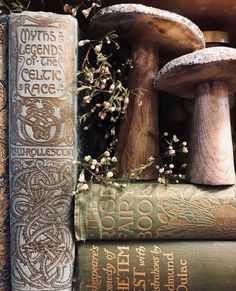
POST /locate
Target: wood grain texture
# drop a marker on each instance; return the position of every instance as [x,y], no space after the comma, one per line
[211,152]
[216,38]
[207,14]
[138,135]
[172,33]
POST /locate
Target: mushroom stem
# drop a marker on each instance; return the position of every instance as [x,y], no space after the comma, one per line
[211,153]
[216,38]
[138,136]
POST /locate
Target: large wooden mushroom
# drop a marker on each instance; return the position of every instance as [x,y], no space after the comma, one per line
[149,32]
[208,75]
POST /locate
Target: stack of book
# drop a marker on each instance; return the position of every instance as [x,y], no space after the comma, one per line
[152,237]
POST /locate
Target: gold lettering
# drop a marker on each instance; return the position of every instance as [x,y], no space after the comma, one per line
[108,193]
[156,250]
[156,273]
[170,268]
[141,255]
[108,222]
[96,278]
[139,281]
[126,207]
[110,270]
[122,285]
[183,275]
[123,259]
[107,206]
[125,227]
[182,288]
[144,223]
[145,235]
[37,89]
[110,255]
[145,207]
[92,215]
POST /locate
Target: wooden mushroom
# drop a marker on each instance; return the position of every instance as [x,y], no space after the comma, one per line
[149,32]
[209,76]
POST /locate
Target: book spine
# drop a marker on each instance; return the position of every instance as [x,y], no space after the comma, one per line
[159,266]
[42,149]
[4,194]
[152,211]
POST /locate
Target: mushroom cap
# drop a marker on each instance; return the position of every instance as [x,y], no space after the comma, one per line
[207,14]
[181,75]
[135,22]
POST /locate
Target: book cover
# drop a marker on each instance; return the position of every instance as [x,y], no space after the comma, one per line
[4,193]
[159,266]
[42,121]
[152,211]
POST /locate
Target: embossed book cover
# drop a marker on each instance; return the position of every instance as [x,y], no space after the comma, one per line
[42,149]
[152,211]
[4,193]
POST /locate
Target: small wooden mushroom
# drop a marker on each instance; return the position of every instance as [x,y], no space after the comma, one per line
[209,76]
[149,32]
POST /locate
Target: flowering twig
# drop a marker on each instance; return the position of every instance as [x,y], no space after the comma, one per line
[85,6]
[105,99]
[105,96]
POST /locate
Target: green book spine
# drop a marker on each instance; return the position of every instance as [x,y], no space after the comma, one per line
[152,211]
[157,266]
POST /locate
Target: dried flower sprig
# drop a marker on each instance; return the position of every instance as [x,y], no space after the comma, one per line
[86,7]
[87,12]
[172,147]
[103,169]
[164,163]
[15,6]
[105,97]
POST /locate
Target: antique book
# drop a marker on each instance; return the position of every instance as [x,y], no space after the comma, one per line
[159,266]
[152,211]
[42,149]
[4,193]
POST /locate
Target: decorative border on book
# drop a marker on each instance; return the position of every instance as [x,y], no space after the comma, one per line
[4,191]
[42,149]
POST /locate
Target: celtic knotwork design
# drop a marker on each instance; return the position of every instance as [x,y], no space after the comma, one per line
[42,243]
[4,198]
[3,96]
[43,122]
[42,147]
[3,30]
